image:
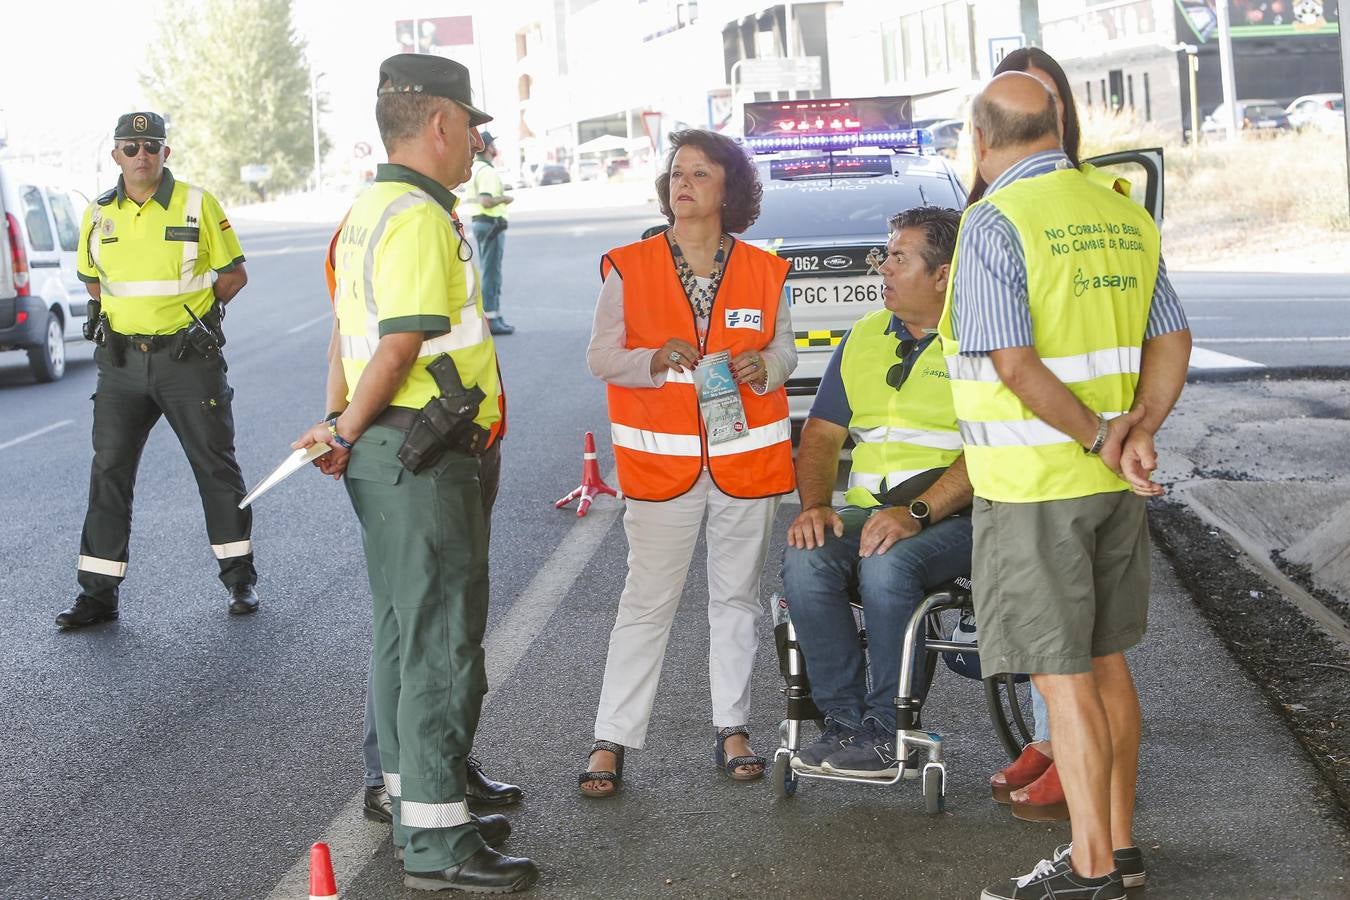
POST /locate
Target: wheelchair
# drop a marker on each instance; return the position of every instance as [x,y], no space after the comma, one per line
[1006,696]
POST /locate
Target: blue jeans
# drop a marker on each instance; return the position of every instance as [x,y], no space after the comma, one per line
[818,584]
[490,248]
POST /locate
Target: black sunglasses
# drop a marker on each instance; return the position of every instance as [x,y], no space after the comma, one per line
[896,374]
[131,148]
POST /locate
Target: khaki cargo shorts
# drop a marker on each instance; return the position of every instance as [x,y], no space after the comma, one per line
[1060,582]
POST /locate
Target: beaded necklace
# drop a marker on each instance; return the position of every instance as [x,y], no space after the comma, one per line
[700,298]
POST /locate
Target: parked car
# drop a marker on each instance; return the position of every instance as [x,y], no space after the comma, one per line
[589,169]
[946,136]
[552,173]
[43,303]
[618,167]
[1324,112]
[1253,117]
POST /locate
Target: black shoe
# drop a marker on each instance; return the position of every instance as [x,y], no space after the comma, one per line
[481,791]
[486,872]
[85,611]
[1129,863]
[498,325]
[378,807]
[1059,881]
[494,830]
[243,600]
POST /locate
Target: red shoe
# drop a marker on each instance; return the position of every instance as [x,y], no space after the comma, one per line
[1045,800]
[1028,767]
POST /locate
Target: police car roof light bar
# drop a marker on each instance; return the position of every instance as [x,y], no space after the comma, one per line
[840,123]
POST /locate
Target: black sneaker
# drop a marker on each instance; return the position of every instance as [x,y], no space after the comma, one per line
[1129,863]
[1057,881]
[834,738]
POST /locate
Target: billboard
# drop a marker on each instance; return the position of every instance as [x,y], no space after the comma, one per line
[432,35]
[1197,21]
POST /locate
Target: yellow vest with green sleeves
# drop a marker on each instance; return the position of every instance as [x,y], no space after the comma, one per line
[1092,262]
[897,434]
[372,249]
[484,180]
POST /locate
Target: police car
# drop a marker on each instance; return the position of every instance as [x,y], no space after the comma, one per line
[834,172]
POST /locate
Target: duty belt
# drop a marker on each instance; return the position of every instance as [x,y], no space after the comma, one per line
[149,343]
[400,417]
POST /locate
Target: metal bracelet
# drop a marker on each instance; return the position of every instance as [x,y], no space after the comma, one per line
[1096,447]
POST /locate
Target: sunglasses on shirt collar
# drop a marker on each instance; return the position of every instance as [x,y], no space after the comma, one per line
[131,148]
[896,374]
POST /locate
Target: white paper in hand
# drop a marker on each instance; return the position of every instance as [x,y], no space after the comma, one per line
[291,464]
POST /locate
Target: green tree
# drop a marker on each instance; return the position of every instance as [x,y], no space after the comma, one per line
[231,79]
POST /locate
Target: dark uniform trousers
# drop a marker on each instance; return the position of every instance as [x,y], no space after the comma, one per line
[194,396]
[425,539]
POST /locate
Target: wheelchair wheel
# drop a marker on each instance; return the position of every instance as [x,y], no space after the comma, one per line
[933,799]
[784,779]
[1009,702]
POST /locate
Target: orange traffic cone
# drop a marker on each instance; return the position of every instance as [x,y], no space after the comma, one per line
[322,884]
[592,485]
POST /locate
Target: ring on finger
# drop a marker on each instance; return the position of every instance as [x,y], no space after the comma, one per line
[675,356]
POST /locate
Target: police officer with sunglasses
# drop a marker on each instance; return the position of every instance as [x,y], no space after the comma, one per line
[160,261]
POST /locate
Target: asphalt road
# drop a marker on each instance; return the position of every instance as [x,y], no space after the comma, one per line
[183,753]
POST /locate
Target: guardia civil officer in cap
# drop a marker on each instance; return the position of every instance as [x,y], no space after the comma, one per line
[411,346]
[160,261]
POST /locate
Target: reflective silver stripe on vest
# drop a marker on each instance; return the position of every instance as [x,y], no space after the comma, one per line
[938,440]
[129,289]
[392,785]
[1068,369]
[192,212]
[232,549]
[103,566]
[755,439]
[465,334]
[433,815]
[1018,433]
[657,442]
[879,483]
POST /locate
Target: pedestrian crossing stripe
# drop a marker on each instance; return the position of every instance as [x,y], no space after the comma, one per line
[819,338]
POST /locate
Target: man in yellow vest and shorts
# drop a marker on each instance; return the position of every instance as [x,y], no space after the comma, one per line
[1067,348]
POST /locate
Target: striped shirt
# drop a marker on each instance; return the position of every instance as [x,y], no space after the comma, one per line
[990,309]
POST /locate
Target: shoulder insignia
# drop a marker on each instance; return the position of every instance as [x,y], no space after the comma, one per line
[107,197]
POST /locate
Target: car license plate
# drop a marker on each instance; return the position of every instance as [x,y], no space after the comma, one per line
[831,291]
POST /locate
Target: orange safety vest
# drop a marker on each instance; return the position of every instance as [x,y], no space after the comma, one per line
[498,430]
[657,433]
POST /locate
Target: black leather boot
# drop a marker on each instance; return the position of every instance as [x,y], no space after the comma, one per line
[482,791]
[243,600]
[86,611]
[486,872]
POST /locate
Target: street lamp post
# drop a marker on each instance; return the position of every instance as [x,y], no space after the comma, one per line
[314,122]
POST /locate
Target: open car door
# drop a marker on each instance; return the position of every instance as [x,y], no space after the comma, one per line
[1143,169]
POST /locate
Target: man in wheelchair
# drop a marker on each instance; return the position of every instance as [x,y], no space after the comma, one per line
[905,526]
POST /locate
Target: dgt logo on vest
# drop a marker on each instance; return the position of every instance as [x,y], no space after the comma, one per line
[745,318]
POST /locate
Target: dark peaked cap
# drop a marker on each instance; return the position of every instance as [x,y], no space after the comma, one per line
[421,73]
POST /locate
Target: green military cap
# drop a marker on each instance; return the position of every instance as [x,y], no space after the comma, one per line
[421,73]
[140,125]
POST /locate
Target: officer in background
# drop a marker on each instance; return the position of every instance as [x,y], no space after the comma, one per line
[487,203]
[414,347]
[160,261]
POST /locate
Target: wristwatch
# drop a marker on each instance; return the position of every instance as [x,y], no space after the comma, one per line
[921,513]
[1096,447]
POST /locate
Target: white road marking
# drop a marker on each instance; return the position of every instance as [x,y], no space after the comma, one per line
[32,434]
[1208,318]
[352,842]
[286,251]
[326,317]
[1213,359]
[1316,339]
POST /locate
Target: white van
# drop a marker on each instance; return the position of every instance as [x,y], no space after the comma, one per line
[43,303]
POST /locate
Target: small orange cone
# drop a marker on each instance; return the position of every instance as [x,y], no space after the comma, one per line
[592,485]
[322,885]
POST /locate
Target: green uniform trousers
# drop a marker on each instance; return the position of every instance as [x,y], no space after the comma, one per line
[193,394]
[426,549]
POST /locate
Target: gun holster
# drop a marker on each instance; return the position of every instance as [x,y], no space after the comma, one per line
[446,422]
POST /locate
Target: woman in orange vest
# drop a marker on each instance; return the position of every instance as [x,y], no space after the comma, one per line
[667,302]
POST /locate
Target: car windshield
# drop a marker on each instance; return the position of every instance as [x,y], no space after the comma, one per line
[844,207]
[1263,111]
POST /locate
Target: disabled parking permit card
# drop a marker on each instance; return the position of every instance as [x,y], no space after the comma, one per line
[719,398]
